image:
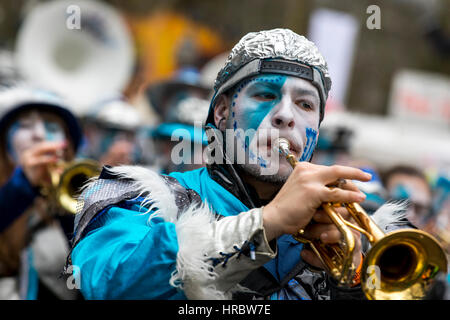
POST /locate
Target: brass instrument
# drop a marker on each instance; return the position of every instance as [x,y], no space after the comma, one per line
[441,233]
[404,261]
[67,178]
[81,63]
[444,238]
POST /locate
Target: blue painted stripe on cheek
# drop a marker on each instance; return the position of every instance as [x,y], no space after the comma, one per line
[311,141]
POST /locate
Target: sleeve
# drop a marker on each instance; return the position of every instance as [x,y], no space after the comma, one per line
[175,251]
[214,257]
[127,255]
[16,196]
[124,257]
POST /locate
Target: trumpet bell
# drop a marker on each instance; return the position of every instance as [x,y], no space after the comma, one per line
[72,179]
[402,266]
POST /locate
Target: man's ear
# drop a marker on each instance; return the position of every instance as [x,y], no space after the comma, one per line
[221,112]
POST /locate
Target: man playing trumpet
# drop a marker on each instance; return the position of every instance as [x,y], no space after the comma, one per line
[225,231]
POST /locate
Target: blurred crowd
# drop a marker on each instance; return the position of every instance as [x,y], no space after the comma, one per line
[42,138]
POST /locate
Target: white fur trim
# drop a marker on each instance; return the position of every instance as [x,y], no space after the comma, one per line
[194,274]
[194,227]
[390,214]
[159,196]
[200,237]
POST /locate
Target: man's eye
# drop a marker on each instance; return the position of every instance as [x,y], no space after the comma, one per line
[266,96]
[305,105]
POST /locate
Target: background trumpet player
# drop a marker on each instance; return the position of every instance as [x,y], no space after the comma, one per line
[37,131]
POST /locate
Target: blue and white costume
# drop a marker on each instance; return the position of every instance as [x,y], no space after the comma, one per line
[199,234]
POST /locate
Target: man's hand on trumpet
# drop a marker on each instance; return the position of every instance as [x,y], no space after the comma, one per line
[300,199]
[325,230]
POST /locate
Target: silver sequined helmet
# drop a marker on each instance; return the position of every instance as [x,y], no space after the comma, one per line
[280,51]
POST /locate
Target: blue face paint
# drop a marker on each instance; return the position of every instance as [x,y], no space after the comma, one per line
[262,162]
[53,131]
[107,140]
[32,128]
[251,103]
[311,141]
[256,109]
[9,145]
[400,192]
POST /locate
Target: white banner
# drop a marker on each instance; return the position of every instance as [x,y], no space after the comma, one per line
[334,33]
[421,97]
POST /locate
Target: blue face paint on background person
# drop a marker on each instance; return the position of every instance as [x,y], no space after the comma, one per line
[32,128]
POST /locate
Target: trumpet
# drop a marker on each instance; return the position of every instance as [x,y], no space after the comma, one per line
[443,236]
[67,178]
[404,262]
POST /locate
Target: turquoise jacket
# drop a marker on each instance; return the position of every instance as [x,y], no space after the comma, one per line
[124,255]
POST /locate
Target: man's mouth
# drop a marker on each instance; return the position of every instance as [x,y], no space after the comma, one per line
[293,147]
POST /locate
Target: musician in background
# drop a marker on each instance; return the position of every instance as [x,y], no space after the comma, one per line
[36,131]
[181,104]
[333,147]
[404,182]
[111,129]
[214,232]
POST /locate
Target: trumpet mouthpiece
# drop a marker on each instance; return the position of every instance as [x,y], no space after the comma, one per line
[281,145]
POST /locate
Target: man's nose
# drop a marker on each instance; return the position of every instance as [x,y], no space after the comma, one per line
[39,132]
[283,116]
